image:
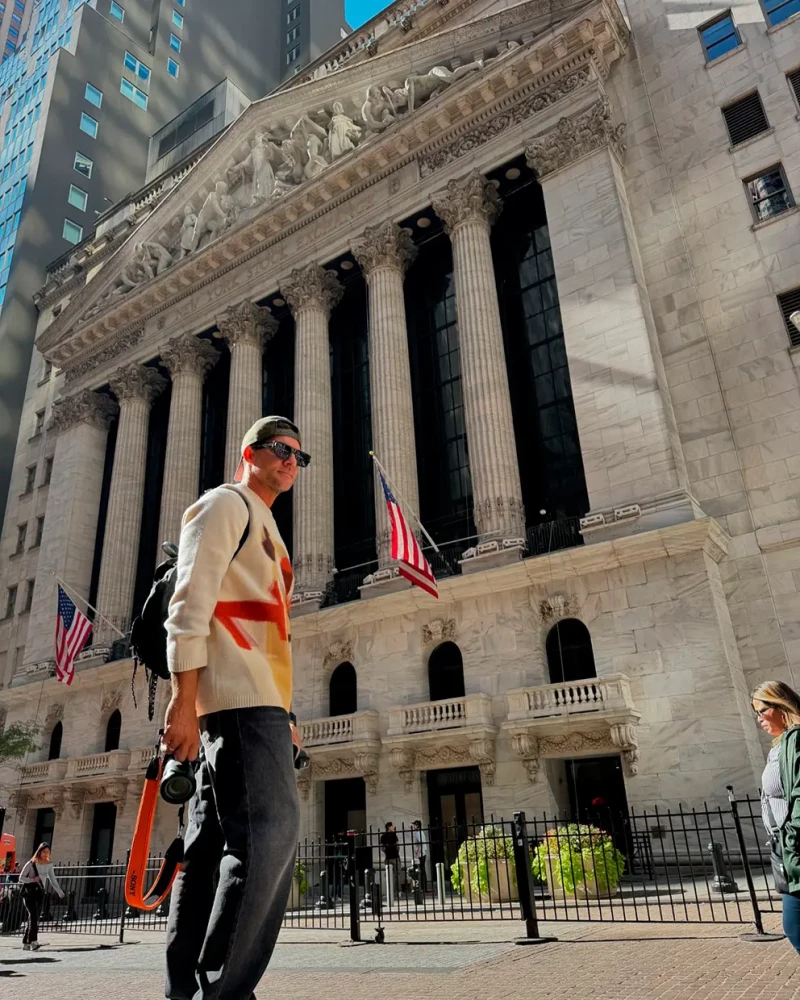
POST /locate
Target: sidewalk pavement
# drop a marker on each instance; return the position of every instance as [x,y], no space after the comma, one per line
[464,961]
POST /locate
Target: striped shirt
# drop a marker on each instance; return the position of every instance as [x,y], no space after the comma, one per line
[772,792]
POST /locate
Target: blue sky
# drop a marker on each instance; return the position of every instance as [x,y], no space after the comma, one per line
[359,11]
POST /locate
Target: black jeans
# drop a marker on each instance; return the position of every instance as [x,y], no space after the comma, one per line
[32,898]
[243,827]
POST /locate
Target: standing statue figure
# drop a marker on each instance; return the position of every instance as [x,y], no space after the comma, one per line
[215,215]
[316,157]
[378,111]
[258,166]
[343,133]
[422,88]
[155,259]
[187,232]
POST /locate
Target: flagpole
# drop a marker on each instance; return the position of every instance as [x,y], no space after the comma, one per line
[71,593]
[403,501]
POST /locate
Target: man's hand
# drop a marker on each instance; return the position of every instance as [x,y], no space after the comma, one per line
[181,728]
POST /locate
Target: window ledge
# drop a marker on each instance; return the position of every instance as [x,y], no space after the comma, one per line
[36,545]
[727,55]
[775,218]
[25,493]
[17,553]
[44,486]
[749,142]
[794,19]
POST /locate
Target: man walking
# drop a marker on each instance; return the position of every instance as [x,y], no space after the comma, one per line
[229,653]
[420,842]
[391,853]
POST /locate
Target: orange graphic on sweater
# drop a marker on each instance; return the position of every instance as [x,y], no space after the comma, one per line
[276,611]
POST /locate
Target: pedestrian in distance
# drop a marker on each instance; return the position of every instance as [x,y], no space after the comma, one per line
[420,842]
[229,655]
[33,878]
[777,709]
[391,851]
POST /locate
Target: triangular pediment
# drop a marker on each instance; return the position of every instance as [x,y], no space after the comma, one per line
[303,150]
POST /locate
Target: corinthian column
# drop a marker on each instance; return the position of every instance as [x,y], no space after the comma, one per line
[188,360]
[81,424]
[135,387]
[384,253]
[468,208]
[247,328]
[312,294]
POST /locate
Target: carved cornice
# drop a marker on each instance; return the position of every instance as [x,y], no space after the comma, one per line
[247,323]
[469,199]
[84,407]
[622,737]
[312,287]
[113,347]
[137,382]
[186,354]
[573,138]
[386,245]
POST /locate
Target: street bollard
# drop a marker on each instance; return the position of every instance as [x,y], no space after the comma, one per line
[352,879]
[527,900]
[723,881]
[440,884]
[324,902]
[72,913]
[102,905]
[760,935]
[390,886]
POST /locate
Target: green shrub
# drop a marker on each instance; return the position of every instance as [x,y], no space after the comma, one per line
[474,856]
[579,852]
[301,877]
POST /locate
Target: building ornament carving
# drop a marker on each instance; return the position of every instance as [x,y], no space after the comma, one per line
[55,713]
[361,764]
[108,791]
[386,245]
[74,797]
[136,382]
[312,287]
[112,700]
[186,354]
[338,652]
[619,737]
[572,138]
[304,784]
[468,142]
[247,323]
[118,346]
[557,607]
[439,630]
[407,761]
[84,407]
[51,797]
[402,760]
[468,199]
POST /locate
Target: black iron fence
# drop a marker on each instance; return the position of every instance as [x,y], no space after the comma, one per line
[706,865]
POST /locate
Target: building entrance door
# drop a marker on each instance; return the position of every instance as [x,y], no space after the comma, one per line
[455,807]
[597,796]
[345,809]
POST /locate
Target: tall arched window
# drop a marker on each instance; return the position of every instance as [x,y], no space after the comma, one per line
[446,672]
[569,652]
[343,690]
[55,742]
[112,730]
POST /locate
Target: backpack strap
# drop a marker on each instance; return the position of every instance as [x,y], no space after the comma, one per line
[234,488]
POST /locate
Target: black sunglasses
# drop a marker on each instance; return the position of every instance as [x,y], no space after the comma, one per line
[284,451]
[762,711]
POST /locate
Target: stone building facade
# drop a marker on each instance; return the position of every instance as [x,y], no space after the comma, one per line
[353,238]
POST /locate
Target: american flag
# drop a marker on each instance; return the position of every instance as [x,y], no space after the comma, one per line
[72,631]
[405,548]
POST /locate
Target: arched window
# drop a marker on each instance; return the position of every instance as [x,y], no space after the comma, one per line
[446,672]
[569,652]
[55,742]
[343,690]
[112,730]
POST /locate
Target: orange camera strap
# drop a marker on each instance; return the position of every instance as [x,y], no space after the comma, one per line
[135,893]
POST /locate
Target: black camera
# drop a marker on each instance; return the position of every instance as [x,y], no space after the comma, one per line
[301,758]
[178,783]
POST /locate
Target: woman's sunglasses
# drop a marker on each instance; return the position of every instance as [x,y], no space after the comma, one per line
[284,451]
[763,711]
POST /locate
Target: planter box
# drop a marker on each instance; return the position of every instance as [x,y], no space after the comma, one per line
[588,889]
[502,879]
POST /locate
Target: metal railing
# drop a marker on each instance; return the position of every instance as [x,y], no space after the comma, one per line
[709,865]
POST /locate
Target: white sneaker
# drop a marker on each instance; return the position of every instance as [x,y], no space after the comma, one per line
[35,946]
[26,947]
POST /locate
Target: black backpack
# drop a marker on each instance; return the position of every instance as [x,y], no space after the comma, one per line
[149,630]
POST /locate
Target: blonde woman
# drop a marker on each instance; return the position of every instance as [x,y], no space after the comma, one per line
[777,708]
[33,878]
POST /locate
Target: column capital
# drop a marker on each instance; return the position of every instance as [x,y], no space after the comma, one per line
[386,245]
[188,354]
[312,286]
[572,138]
[469,199]
[87,407]
[137,382]
[247,323]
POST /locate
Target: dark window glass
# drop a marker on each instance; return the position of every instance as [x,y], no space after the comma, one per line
[343,690]
[278,398]
[719,37]
[45,825]
[569,652]
[445,484]
[113,728]
[54,751]
[105,491]
[446,672]
[769,194]
[215,421]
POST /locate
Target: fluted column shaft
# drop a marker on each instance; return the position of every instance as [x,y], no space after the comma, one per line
[135,387]
[384,253]
[468,208]
[312,293]
[246,328]
[188,360]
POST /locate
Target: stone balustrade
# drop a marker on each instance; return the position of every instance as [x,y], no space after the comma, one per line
[433,716]
[113,762]
[610,694]
[340,729]
[47,770]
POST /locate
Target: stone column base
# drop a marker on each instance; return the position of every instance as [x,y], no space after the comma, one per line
[662,511]
[306,603]
[383,581]
[488,555]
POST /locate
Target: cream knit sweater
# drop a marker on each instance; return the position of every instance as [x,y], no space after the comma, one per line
[229,617]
